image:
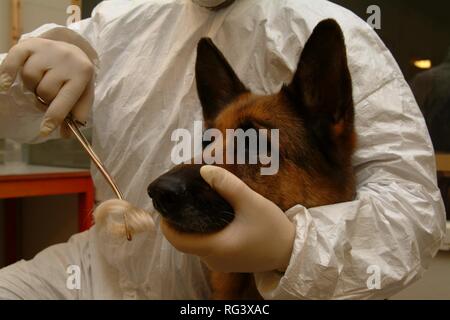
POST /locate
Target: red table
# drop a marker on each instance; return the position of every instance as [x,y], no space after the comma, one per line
[21,181]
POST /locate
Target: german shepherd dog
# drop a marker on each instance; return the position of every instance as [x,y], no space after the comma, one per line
[315,118]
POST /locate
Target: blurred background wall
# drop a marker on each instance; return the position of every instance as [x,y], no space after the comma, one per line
[38,12]
[411,29]
[5,23]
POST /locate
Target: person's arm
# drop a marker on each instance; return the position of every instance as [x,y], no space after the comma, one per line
[383,241]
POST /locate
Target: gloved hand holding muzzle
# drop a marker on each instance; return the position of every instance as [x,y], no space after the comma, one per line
[260,238]
[60,74]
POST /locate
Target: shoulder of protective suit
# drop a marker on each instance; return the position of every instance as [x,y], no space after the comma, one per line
[108,11]
[131,11]
[370,62]
[368,57]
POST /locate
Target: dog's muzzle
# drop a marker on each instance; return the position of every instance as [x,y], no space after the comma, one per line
[188,203]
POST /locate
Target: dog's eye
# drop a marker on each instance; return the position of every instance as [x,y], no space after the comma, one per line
[248,125]
[256,147]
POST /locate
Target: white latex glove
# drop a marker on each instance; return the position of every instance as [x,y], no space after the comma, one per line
[259,239]
[61,74]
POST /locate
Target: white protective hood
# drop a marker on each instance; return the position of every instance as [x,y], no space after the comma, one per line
[146,89]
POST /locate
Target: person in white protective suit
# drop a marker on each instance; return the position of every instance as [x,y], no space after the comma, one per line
[144,54]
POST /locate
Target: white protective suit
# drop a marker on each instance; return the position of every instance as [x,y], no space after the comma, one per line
[146,89]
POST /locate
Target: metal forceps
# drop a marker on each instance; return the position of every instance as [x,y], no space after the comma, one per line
[73,126]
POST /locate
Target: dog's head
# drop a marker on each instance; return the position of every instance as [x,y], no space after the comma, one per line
[314,115]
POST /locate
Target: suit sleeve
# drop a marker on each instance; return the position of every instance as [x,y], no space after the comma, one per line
[376,245]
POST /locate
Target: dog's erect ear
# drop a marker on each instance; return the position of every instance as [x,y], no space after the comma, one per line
[322,83]
[217,83]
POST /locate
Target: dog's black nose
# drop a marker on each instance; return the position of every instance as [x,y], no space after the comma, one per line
[167,193]
[186,201]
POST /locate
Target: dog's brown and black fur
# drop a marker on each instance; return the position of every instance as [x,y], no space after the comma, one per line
[315,118]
